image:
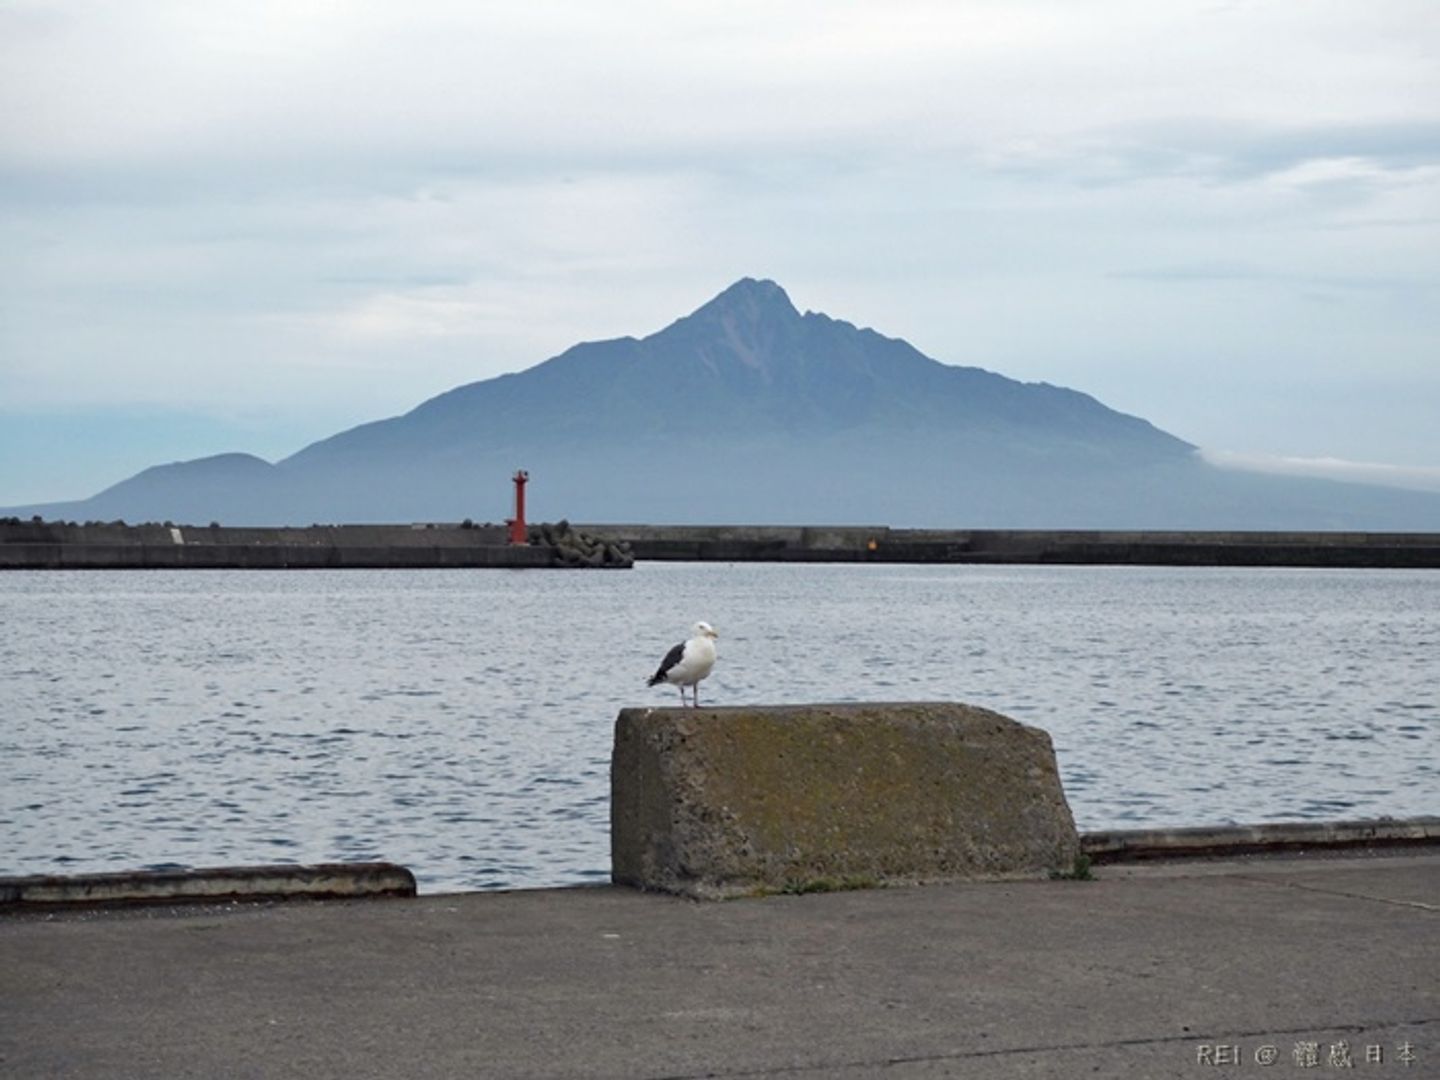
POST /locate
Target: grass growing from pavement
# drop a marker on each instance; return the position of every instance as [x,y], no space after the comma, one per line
[802,886]
[1080,871]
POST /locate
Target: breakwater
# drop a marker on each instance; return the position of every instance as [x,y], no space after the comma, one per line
[759,543]
[57,545]
[116,546]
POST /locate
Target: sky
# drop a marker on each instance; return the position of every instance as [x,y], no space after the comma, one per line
[247,226]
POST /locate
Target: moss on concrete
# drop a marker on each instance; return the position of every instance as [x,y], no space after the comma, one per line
[716,802]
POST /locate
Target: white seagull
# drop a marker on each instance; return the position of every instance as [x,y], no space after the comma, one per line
[689,662]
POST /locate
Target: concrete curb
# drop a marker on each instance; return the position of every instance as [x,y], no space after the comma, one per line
[1138,844]
[328,881]
[335,881]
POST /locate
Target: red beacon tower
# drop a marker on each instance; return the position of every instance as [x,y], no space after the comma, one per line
[518,532]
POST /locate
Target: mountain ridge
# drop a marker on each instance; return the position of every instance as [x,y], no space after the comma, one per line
[748,410]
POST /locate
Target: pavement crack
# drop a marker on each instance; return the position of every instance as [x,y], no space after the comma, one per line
[1419,905]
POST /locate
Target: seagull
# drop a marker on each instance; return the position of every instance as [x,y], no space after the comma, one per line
[689,662]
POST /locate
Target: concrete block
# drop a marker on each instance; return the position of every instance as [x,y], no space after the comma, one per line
[721,802]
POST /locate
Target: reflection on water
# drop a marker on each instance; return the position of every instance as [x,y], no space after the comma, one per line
[460,722]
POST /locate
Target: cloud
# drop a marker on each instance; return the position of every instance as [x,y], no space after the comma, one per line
[1414,477]
[270,203]
[475,86]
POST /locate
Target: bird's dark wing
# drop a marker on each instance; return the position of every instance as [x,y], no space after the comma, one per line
[671,659]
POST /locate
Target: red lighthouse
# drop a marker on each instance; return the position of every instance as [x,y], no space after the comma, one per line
[518,532]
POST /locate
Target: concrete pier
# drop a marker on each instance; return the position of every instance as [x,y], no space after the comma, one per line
[1148,971]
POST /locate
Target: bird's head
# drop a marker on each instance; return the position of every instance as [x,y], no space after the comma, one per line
[704,629]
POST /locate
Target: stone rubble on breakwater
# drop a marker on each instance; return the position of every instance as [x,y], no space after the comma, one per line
[574,549]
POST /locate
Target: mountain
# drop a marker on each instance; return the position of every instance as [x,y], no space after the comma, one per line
[748,411]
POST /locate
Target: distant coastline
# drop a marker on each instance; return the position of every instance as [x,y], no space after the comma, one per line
[60,545]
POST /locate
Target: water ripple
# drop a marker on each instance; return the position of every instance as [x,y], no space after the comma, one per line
[459,722]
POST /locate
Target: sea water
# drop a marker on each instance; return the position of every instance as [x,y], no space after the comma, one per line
[460,722]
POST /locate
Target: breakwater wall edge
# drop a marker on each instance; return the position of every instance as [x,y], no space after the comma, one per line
[47,545]
[1053,546]
[39,545]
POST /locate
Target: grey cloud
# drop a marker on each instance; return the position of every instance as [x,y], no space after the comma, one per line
[1231,152]
[1235,271]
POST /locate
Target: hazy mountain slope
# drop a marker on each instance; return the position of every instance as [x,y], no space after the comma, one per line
[746,364]
[232,488]
[748,411]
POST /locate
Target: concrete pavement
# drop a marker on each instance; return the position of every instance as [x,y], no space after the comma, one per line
[1156,970]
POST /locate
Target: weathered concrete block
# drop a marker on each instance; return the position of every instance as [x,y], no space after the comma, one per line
[722,802]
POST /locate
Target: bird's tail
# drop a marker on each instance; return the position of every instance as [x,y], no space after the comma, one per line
[657,677]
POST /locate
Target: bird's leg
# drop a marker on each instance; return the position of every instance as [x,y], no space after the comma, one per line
[683,702]
[695,693]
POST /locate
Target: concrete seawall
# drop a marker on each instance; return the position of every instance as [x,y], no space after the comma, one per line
[46,545]
[116,546]
[264,557]
[760,543]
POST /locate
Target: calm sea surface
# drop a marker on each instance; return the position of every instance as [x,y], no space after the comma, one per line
[459,722]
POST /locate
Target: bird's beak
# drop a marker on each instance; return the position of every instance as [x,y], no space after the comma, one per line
[712,633]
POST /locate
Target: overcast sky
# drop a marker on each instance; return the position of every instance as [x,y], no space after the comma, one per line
[246,226]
